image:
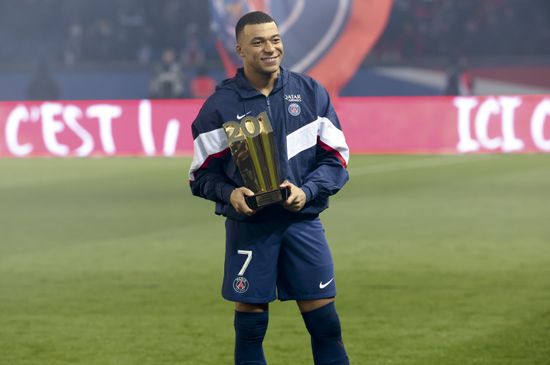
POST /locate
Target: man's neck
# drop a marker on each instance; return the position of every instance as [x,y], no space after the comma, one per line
[264,83]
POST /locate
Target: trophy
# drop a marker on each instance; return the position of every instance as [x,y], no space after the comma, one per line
[253,149]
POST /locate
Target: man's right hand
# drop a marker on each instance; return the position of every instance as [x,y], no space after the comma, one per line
[238,202]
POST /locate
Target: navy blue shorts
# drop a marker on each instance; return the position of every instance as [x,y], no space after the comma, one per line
[269,260]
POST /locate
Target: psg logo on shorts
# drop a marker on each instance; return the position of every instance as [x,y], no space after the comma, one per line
[240,284]
[294,109]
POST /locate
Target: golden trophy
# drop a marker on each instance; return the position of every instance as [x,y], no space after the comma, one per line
[253,149]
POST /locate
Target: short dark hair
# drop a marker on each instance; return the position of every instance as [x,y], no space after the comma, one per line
[254,17]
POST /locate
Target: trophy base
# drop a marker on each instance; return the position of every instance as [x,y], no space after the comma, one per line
[261,200]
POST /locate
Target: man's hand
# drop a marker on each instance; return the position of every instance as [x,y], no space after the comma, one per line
[238,202]
[297,198]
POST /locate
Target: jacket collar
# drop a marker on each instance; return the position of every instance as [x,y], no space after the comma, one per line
[247,91]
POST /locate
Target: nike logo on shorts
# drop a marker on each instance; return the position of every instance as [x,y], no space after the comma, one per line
[324,285]
[239,117]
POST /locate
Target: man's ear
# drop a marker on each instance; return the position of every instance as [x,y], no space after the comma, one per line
[239,50]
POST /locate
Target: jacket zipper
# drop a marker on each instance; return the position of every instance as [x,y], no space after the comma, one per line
[283,173]
[268,108]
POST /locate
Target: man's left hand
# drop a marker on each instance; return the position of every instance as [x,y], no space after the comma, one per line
[296,199]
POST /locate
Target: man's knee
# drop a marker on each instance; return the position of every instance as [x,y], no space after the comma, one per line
[311,305]
[250,329]
[251,308]
[323,323]
[251,321]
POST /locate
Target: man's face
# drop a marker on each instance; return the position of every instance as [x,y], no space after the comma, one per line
[261,48]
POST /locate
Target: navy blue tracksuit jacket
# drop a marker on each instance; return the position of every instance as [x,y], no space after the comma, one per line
[312,150]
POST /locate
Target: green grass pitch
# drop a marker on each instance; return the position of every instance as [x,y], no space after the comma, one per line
[439,260]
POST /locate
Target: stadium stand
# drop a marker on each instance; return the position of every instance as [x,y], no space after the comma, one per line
[85,43]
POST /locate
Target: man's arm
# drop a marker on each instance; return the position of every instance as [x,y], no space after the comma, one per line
[210,153]
[206,176]
[330,173]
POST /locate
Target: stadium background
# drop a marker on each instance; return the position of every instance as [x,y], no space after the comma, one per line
[108,49]
[440,239]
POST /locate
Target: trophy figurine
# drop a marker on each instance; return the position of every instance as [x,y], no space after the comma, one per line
[253,149]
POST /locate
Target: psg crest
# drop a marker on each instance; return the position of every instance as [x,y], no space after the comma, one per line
[240,284]
[294,109]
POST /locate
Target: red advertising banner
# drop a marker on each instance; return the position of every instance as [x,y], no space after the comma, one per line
[97,128]
[491,124]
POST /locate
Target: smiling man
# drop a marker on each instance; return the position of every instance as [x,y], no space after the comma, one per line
[279,251]
[261,48]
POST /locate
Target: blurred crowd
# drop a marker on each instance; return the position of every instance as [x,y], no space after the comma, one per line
[76,32]
[83,32]
[468,28]
[174,41]
[171,37]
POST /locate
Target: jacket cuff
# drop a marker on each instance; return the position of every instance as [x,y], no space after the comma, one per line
[225,192]
[311,190]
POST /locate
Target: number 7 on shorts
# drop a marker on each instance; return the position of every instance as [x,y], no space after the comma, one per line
[247,262]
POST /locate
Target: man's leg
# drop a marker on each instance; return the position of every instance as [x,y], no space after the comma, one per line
[323,325]
[250,328]
[250,276]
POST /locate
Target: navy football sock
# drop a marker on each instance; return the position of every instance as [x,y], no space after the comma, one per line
[250,330]
[323,325]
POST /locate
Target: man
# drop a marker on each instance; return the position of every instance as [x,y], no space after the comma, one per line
[279,251]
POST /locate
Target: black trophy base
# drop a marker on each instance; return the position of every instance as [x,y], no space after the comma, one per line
[262,200]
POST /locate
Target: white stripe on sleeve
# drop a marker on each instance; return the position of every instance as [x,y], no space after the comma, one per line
[206,144]
[306,137]
[302,139]
[334,138]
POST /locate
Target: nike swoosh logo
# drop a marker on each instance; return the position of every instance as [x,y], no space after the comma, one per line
[239,117]
[324,285]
